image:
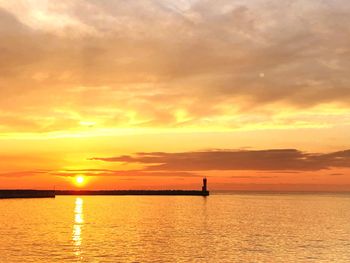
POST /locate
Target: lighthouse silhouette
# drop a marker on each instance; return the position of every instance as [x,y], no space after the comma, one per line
[204,187]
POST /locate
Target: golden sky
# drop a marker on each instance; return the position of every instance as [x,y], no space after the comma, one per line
[156,94]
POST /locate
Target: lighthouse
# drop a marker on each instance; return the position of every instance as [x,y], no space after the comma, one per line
[204,187]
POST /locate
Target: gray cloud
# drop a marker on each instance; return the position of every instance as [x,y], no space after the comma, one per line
[193,164]
[270,160]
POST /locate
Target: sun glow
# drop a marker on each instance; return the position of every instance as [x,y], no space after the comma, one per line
[79,180]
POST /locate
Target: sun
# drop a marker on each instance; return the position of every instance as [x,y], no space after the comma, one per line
[79,180]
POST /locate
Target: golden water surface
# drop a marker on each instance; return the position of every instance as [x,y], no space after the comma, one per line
[219,228]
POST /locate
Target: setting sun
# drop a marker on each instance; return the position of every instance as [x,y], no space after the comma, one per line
[79,180]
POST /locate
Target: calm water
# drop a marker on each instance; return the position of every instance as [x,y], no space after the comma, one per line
[220,228]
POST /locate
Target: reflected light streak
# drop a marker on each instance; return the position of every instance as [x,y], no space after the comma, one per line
[77,227]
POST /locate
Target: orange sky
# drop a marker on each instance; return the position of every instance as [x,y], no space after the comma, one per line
[156,94]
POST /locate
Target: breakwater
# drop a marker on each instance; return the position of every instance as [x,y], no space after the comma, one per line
[27,193]
[52,193]
[133,192]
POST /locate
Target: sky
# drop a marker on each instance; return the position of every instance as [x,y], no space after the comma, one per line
[253,94]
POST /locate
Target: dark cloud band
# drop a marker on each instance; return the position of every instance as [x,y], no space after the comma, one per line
[272,160]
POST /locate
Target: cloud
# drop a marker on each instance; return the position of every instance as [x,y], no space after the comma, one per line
[258,160]
[205,65]
[99,172]
[201,163]
[122,173]
[336,174]
[24,173]
[253,177]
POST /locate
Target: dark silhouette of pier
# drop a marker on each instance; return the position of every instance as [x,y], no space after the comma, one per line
[53,193]
[132,192]
[203,192]
[27,193]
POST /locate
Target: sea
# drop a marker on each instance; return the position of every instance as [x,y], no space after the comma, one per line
[223,227]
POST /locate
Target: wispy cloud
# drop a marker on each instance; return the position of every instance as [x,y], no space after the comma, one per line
[24,173]
[122,173]
[258,160]
[99,173]
[200,163]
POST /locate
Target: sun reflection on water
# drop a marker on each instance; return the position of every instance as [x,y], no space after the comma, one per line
[77,227]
